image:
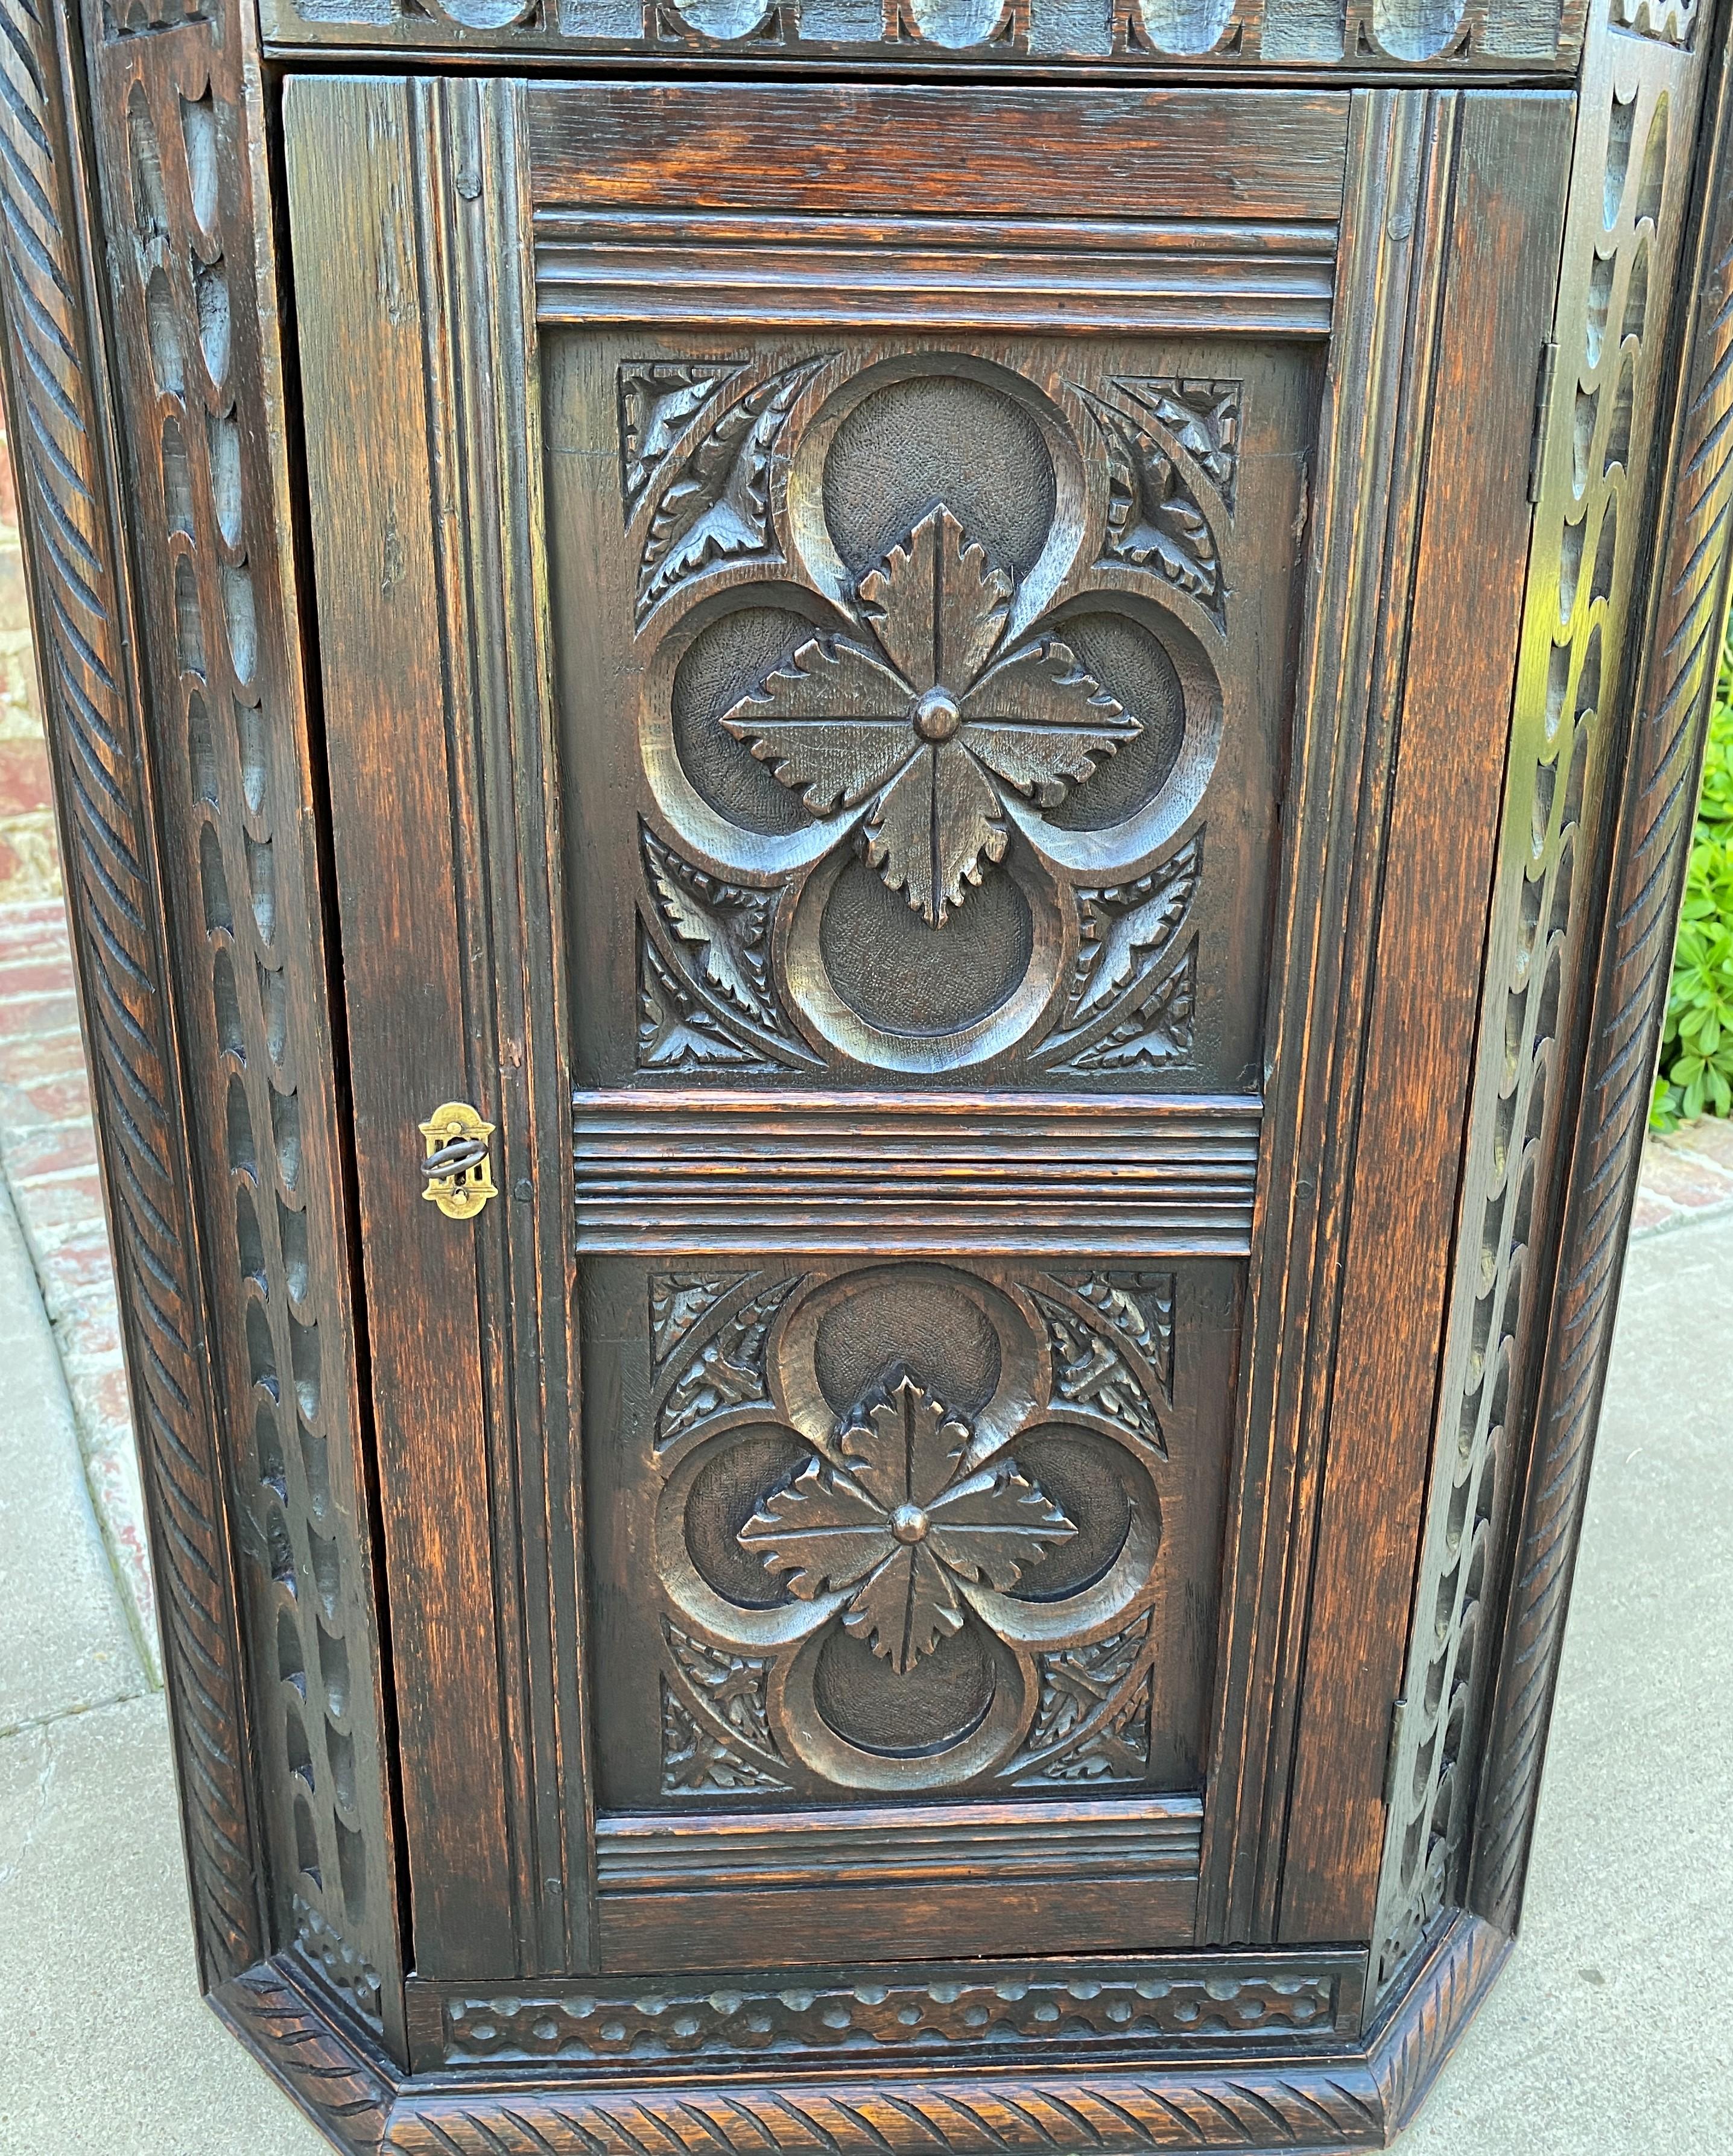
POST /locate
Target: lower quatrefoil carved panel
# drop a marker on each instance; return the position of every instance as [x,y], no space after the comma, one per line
[978,2006]
[908,1527]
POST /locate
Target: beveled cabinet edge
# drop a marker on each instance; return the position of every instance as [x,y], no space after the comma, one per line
[58,391]
[1356,2095]
[1670,706]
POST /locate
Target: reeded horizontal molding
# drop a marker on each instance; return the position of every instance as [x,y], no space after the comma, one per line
[1126,1839]
[1207,275]
[1055,1174]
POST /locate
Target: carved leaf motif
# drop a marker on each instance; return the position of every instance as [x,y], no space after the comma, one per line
[728,1371]
[935,828]
[658,400]
[1090,1371]
[929,735]
[1042,722]
[1138,1305]
[677,1300]
[717,505]
[1154,520]
[1077,1682]
[1157,1029]
[1203,417]
[936,604]
[901,1523]
[695,1760]
[731,1685]
[675,1030]
[730,926]
[1125,930]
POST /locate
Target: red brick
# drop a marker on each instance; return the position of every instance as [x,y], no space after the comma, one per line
[1689,1181]
[1710,1137]
[33,924]
[87,1326]
[62,1149]
[25,1058]
[37,973]
[67,1204]
[24,782]
[26,1016]
[62,1100]
[1651,1212]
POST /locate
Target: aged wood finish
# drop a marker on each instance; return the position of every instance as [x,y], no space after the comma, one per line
[972,787]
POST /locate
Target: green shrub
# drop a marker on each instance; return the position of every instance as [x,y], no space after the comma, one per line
[1696,1075]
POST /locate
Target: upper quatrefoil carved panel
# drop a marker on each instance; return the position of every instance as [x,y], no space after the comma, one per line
[930,705]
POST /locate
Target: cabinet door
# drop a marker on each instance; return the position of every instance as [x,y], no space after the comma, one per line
[854,625]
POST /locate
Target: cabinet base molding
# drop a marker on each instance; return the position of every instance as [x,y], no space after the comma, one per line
[1172,2092]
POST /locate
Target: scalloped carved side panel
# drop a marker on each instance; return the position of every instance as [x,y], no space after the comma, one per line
[1638,105]
[180,128]
[55,394]
[1672,718]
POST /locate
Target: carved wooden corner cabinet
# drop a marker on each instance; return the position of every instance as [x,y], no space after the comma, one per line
[872,809]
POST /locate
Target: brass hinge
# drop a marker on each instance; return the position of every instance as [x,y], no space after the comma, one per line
[1543,404]
[458,1166]
[1398,1722]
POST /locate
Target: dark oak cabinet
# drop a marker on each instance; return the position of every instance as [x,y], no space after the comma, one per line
[873,814]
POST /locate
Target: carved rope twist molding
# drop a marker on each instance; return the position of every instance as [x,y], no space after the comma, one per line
[1666,753]
[115,915]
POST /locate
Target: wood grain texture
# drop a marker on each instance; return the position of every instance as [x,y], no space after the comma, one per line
[1595,477]
[199,373]
[1670,716]
[838,152]
[1472,37]
[1448,681]
[58,400]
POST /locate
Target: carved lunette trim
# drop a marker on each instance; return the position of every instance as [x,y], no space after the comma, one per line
[1650,852]
[1272,2002]
[198,381]
[1477,35]
[56,393]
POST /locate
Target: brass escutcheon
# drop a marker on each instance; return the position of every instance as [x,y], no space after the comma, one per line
[458,1166]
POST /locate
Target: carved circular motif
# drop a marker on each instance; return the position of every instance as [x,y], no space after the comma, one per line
[914,1514]
[922,625]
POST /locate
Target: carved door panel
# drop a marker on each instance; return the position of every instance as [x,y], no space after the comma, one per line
[839,743]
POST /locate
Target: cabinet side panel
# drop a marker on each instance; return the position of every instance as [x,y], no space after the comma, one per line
[1630,184]
[179,126]
[56,392]
[1452,677]
[1649,856]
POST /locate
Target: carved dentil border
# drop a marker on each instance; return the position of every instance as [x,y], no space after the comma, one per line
[1651,849]
[80,605]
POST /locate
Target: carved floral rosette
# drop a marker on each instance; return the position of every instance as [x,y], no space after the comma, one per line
[907,1527]
[929,708]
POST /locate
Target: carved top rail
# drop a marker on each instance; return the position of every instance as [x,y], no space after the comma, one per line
[1507,37]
